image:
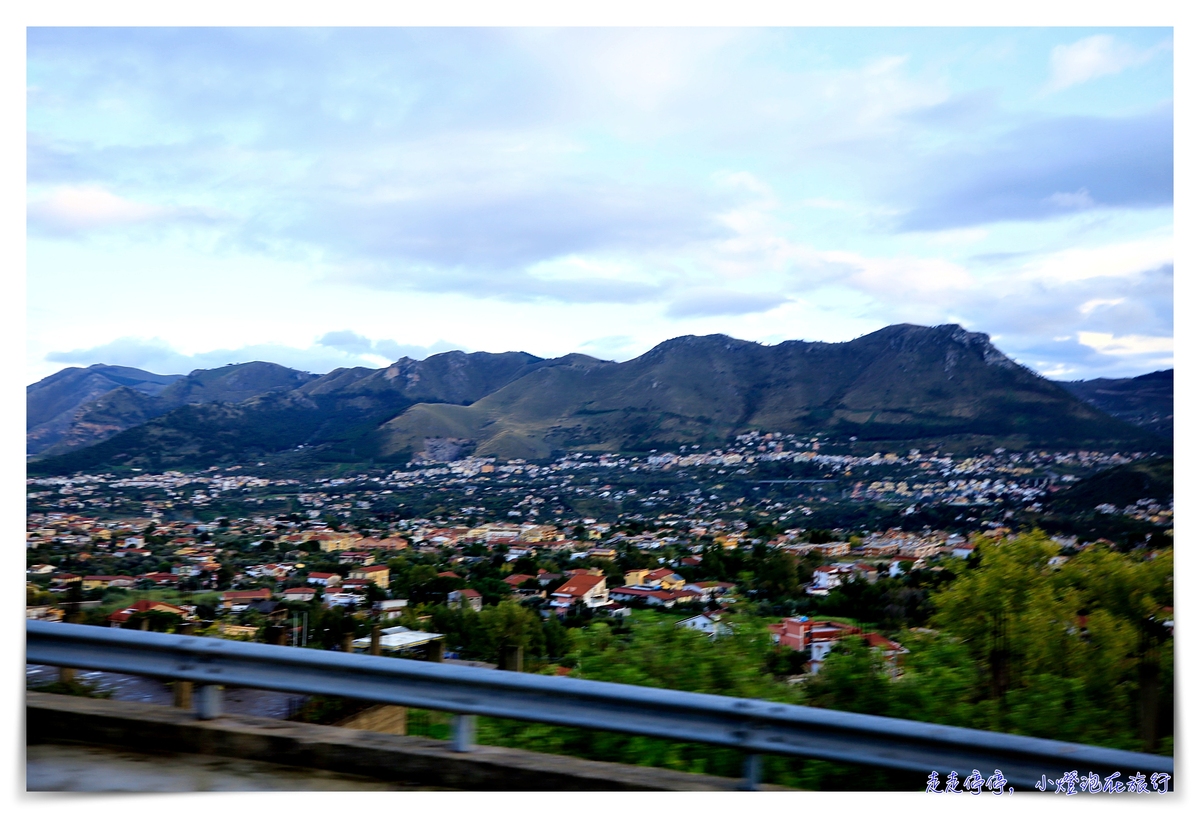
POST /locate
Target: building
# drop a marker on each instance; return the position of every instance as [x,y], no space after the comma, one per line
[93,582]
[117,619]
[389,608]
[299,595]
[236,601]
[372,573]
[590,590]
[465,598]
[664,578]
[705,623]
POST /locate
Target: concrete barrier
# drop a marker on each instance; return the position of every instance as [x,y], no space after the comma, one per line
[410,760]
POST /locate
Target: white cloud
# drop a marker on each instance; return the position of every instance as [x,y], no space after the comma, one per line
[1090,306]
[81,208]
[1093,57]
[1078,200]
[1122,260]
[1109,344]
[86,207]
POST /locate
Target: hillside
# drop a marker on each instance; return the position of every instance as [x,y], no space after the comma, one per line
[902,383]
[1147,400]
[130,400]
[901,386]
[53,404]
[1120,486]
[335,416]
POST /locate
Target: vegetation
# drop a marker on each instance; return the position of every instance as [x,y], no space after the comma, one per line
[1075,653]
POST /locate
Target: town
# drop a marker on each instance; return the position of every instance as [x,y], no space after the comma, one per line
[694,536]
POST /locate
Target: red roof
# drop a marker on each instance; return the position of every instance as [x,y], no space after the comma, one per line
[470,593]
[517,579]
[578,585]
[257,593]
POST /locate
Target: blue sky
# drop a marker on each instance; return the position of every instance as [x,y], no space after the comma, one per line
[342,197]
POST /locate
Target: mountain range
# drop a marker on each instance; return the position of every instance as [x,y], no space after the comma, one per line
[902,385]
[1147,400]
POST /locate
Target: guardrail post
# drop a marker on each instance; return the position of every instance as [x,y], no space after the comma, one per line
[183,690]
[208,702]
[464,733]
[751,772]
[375,648]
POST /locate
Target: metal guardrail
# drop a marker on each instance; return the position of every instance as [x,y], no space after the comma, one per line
[750,725]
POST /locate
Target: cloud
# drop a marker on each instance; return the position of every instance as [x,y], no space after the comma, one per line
[1111,344]
[484,237]
[82,208]
[1045,169]
[352,343]
[1092,57]
[708,302]
[333,350]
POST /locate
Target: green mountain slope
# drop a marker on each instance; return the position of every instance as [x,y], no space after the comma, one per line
[335,416]
[1147,400]
[1120,486]
[902,383]
[131,402]
[53,404]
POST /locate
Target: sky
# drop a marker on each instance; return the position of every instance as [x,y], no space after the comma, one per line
[344,197]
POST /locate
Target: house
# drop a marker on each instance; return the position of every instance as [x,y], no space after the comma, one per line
[299,595]
[963,551]
[354,556]
[637,576]
[323,578]
[891,651]
[705,623]
[832,549]
[41,569]
[862,570]
[515,581]
[118,618]
[231,631]
[46,613]
[801,633]
[664,578]
[336,598]
[92,582]
[821,637]
[826,578]
[516,552]
[709,590]
[329,541]
[161,578]
[651,596]
[465,598]
[602,553]
[389,608]
[272,610]
[591,590]
[377,574]
[236,601]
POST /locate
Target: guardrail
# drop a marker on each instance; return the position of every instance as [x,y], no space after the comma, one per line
[750,725]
